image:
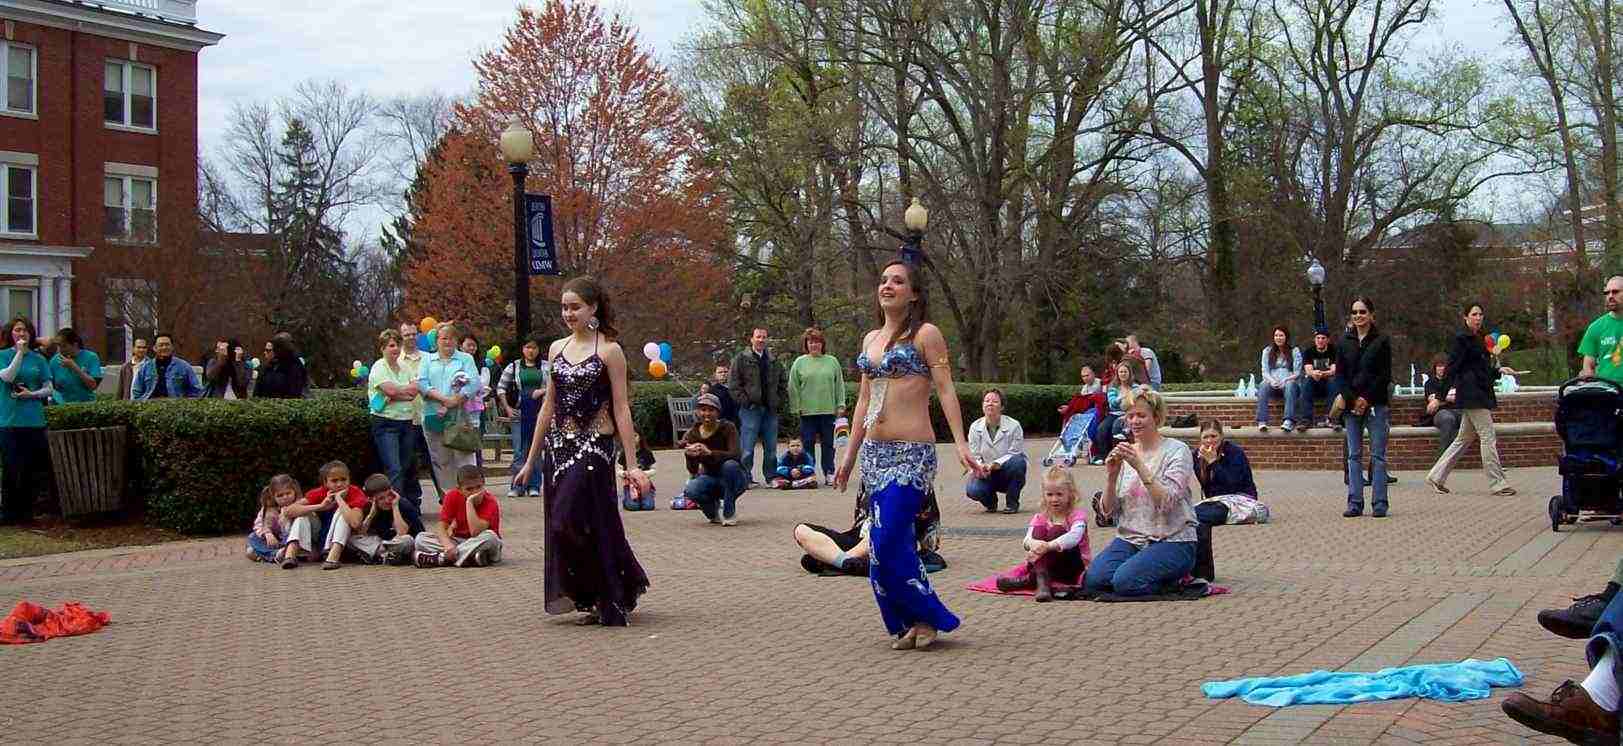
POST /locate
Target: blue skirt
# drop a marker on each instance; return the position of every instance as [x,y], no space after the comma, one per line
[897,476]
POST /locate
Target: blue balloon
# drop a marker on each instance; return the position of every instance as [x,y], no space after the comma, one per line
[363,371]
[490,362]
[665,352]
[423,345]
[429,342]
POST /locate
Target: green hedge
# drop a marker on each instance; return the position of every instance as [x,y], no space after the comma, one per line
[198,464]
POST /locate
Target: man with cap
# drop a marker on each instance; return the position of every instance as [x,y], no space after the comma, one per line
[1318,379]
[711,447]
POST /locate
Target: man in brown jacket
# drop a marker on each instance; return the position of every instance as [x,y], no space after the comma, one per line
[126,373]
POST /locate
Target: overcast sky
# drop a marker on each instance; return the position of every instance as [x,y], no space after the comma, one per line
[387,47]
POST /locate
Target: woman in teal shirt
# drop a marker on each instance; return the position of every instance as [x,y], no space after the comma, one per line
[816,391]
[75,371]
[24,456]
[446,380]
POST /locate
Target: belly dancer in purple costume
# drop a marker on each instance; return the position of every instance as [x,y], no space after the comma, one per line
[901,362]
[589,564]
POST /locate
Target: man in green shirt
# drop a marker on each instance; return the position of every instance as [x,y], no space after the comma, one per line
[1602,345]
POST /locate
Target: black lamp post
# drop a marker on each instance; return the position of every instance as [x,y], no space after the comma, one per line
[518,147]
[1315,277]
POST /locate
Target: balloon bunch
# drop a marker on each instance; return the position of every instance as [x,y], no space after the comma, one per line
[429,338]
[359,371]
[493,356]
[659,358]
[1496,343]
[253,363]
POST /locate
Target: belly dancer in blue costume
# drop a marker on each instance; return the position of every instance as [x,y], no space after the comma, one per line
[900,363]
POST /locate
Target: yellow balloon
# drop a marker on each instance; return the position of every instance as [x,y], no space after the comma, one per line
[426,324]
[1504,342]
[657,369]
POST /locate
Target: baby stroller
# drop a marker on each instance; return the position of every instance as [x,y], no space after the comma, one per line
[1587,412]
[1073,440]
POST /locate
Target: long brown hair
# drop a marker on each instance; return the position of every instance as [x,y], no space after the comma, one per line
[278,483]
[1275,350]
[918,312]
[592,294]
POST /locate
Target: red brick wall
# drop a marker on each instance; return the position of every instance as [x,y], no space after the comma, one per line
[1406,410]
[73,145]
[1409,452]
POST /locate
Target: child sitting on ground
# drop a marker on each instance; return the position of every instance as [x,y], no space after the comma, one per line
[630,498]
[795,468]
[307,516]
[381,535]
[1056,543]
[270,531]
[470,530]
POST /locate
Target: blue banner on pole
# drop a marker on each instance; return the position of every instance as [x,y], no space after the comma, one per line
[538,224]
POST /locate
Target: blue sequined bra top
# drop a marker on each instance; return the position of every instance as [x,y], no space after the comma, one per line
[897,362]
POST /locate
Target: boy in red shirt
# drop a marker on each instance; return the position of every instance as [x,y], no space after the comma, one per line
[470,530]
[306,520]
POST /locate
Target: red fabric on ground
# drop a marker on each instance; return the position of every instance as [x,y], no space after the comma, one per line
[30,622]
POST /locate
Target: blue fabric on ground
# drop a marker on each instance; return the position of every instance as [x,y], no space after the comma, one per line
[1446,682]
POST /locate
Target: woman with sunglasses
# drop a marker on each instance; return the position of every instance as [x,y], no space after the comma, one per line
[1364,373]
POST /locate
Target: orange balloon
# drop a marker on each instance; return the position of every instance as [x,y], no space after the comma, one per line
[657,369]
[426,324]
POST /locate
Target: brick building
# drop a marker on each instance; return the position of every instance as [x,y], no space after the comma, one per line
[98,159]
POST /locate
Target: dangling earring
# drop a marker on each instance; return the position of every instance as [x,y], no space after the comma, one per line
[591,323]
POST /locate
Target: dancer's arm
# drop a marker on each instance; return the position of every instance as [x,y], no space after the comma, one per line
[549,405]
[859,428]
[934,348]
[615,358]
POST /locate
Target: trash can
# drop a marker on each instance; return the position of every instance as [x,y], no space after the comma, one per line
[88,466]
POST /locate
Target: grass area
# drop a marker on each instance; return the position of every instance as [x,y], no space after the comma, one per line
[55,536]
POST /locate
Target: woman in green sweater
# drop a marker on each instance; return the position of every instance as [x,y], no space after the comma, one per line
[816,391]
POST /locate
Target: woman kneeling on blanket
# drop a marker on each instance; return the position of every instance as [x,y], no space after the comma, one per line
[1225,481]
[1057,542]
[1155,535]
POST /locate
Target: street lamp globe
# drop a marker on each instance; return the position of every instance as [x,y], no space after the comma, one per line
[917,218]
[1315,274]
[518,145]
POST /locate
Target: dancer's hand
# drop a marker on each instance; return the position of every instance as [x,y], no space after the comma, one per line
[967,459]
[842,475]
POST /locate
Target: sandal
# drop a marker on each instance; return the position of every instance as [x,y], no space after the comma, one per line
[904,642]
[925,638]
[330,565]
[590,619]
[289,562]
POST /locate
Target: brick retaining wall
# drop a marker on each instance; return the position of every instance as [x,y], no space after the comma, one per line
[1407,449]
[1536,406]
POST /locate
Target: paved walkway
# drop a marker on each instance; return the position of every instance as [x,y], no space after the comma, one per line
[735,643]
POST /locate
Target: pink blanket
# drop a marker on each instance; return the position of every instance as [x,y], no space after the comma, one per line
[1022,573]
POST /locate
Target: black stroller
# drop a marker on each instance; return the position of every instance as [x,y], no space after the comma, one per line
[1587,419]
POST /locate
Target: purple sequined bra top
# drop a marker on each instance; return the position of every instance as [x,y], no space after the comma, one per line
[582,391]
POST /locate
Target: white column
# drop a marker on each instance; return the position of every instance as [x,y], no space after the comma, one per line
[64,301]
[46,303]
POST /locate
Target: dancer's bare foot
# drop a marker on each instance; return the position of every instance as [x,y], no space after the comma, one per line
[924,636]
[906,641]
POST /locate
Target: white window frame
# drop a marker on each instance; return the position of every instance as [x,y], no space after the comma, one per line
[33,81]
[127,175]
[126,66]
[8,161]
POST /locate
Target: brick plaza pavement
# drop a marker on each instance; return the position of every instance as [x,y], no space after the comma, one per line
[734,643]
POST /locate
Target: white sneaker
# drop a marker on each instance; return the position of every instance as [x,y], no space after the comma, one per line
[535,493]
[515,492]
[1287,426]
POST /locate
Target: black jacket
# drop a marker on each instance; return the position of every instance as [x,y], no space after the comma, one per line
[1471,372]
[282,379]
[1365,369]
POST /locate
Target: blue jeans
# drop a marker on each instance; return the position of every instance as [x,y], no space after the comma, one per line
[1267,393]
[397,450]
[1606,635]
[1308,390]
[1126,570]
[707,490]
[760,424]
[523,431]
[819,428]
[1010,479]
[262,549]
[1378,423]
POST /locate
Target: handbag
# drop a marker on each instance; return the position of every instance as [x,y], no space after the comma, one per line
[460,433]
